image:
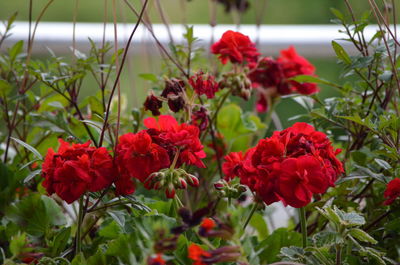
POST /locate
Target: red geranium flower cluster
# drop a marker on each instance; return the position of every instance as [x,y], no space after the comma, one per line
[148,151]
[235,47]
[392,191]
[204,84]
[290,166]
[76,169]
[272,77]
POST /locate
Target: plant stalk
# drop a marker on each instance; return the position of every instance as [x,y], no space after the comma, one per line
[303,223]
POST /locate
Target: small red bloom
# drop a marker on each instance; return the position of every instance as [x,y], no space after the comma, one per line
[197,254]
[75,169]
[172,136]
[207,224]
[392,191]
[204,84]
[137,156]
[293,65]
[157,260]
[236,47]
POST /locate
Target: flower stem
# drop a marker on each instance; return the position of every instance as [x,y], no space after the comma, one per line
[78,231]
[253,210]
[303,222]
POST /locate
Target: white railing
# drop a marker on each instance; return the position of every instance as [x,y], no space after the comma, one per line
[310,40]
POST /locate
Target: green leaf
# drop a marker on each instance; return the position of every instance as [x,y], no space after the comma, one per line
[35,214]
[17,244]
[313,79]
[327,238]
[338,14]
[29,147]
[383,163]
[5,87]
[15,50]
[149,77]
[60,241]
[271,246]
[258,222]
[341,53]
[32,175]
[362,236]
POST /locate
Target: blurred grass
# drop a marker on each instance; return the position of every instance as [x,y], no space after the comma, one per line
[194,11]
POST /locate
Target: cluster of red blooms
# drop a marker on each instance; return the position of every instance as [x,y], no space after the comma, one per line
[392,191]
[78,168]
[270,77]
[290,166]
[200,256]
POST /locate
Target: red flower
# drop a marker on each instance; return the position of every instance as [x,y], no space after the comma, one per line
[268,73]
[153,104]
[392,191]
[173,92]
[137,156]
[197,254]
[200,118]
[207,224]
[172,136]
[236,47]
[299,179]
[290,166]
[223,254]
[293,65]
[157,260]
[75,169]
[204,84]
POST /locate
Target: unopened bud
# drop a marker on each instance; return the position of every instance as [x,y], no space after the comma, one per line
[219,185]
[193,180]
[170,192]
[183,184]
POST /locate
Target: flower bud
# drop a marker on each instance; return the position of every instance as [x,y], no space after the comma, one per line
[219,185]
[183,184]
[192,180]
[170,191]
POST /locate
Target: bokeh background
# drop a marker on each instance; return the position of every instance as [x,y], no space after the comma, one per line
[194,12]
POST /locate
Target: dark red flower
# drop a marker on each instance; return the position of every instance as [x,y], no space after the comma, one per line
[172,136]
[75,169]
[290,166]
[153,104]
[392,191]
[137,156]
[156,260]
[292,65]
[236,47]
[204,84]
[268,73]
[200,118]
[173,92]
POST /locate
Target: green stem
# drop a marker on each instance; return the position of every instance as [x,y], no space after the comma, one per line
[78,231]
[303,222]
[253,210]
[338,254]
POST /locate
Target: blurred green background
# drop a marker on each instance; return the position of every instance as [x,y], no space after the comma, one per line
[194,11]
